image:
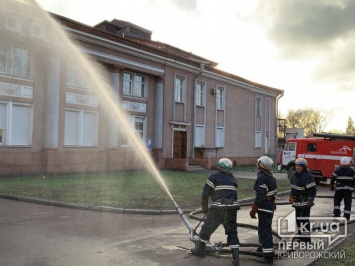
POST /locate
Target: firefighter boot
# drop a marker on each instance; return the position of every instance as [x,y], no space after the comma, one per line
[199,249]
[347,216]
[266,260]
[235,255]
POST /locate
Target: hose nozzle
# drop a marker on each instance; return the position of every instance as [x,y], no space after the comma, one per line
[184,219]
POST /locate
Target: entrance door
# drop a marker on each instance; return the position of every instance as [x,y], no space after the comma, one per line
[180,144]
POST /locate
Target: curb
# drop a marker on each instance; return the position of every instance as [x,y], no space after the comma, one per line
[111,209]
[87,208]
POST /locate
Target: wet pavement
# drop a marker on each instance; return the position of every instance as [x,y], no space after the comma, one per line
[39,235]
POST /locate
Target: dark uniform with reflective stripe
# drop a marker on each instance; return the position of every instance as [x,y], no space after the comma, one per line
[222,188]
[303,191]
[344,178]
[265,188]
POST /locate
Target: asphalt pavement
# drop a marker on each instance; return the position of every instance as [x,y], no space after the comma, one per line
[38,235]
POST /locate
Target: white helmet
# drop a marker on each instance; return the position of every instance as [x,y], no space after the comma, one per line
[225,163]
[265,163]
[301,161]
[345,161]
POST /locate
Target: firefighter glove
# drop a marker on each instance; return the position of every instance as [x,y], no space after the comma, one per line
[253,211]
[309,203]
[332,187]
[291,199]
[205,209]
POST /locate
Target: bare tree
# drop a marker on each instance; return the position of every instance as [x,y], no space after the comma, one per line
[350,130]
[311,120]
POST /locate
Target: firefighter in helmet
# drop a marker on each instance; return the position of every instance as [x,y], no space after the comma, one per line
[303,192]
[265,188]
[343,182]
[221,187]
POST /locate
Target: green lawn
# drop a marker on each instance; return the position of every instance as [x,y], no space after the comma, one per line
[347,246]
[137,189]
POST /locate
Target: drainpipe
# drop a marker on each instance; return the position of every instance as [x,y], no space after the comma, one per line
[277,114]
[202,68]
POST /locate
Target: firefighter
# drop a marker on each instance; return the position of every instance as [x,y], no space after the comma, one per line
[221,187]
[343,182]
[264,205]
[303,192]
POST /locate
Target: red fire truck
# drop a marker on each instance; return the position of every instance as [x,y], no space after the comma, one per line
[323,152]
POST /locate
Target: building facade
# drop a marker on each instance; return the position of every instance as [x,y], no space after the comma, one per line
[53,118]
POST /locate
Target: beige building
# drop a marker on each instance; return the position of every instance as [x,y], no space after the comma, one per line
[186,111]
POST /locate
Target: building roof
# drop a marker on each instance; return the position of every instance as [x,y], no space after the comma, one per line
[155,47]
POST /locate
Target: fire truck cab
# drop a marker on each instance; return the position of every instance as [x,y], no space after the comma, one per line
[323,152]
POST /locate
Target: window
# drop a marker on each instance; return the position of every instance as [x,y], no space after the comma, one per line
[21,62]
[76,77]
[13,23]
[135,85]
[220,98]
[139,86]
[127,84]
[81,128]
[15,124]
[200,88]
[290,146]
[312,147]
[3,56]
[15,61]
[257,139]
[199,136]
[139,126]
[72,75]
[219,137]
[37,30]
[258,123]
[258,106]
[179,88]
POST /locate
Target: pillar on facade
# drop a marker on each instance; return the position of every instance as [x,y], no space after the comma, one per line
[158,113]
[51,104]
[112,126]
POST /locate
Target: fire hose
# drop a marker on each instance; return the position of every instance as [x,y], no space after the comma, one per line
[222,247]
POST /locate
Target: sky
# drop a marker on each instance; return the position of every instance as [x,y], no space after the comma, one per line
[303,47]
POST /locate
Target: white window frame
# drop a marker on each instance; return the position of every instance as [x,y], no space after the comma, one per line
[16,128]
[200,93]
[136,85]
[76,77]
[258,114]
[12,19]
[83,131]
[37,30]
[140,132]
[219,140]
[72,74]
[22,59]
[179,88]
[220,96]
[200,136]
[132,120]
[258,106]
[140,86]
[4,58]
[257,139]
